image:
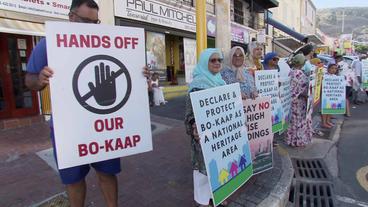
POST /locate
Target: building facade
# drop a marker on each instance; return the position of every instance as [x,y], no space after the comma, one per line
[293,23]
[21,26]
[170,27]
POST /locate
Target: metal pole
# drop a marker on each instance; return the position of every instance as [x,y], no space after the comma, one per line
[201,26]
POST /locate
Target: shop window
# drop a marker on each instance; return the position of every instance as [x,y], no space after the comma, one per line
[2,98]
[17,63]
[238,12]
[186,2]
[210,6]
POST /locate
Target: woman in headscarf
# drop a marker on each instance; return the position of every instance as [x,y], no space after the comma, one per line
[206,75]
[234,71]
[253,58]
[300,129]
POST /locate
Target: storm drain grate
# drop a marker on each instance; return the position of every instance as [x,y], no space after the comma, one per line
[310,169]
[60,200]
[304,194]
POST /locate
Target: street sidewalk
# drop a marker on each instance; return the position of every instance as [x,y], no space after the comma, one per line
[322,151]
[161,178]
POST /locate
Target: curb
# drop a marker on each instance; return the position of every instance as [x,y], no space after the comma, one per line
[279,196]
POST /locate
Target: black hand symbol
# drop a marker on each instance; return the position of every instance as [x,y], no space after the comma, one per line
[104,91]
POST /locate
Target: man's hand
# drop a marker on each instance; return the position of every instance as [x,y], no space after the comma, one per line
[39,81]
[253,95]
[44,76]
[195,132]
[146,72]
[244,96]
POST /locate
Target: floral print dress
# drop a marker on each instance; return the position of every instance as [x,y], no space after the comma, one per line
[247,87]
[300,128]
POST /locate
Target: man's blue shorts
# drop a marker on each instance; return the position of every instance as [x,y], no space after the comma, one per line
[77,173]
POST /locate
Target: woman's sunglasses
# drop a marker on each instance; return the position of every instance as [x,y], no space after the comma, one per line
[214,60]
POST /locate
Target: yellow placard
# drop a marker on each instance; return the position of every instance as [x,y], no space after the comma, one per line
[317,90]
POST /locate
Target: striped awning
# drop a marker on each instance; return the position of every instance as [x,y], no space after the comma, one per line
[21,27]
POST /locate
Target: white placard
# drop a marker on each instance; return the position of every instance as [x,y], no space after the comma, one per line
[365,73]
[221,125]
[267,83]
[97,116]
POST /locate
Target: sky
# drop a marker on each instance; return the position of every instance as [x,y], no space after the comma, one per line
[320,4]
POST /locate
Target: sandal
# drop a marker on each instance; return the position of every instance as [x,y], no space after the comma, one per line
[326,126]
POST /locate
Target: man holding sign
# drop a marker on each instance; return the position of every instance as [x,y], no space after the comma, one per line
[104,91]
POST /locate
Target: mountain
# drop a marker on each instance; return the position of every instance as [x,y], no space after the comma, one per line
[329,21]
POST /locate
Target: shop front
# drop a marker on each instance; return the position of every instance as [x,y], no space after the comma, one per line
[21,27]
[170,35]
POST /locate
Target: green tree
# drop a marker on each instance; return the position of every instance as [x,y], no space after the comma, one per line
[363,49]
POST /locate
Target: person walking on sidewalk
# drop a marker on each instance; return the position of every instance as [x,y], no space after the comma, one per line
[206,75]
[37,78]
[357,67]
[300,129]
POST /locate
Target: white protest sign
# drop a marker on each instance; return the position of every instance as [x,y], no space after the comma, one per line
[267,83]
[333,94]
[285,98]
[220,121]
[260,136]
[365,73]
[98,92]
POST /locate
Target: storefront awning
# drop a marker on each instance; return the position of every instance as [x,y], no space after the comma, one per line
[286,29]
[267,4]
[315,39]
[21,27]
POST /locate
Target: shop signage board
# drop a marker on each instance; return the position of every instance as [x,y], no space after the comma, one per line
[222,130]
[267,84]
[333,94]
[175,16]
[56,9]
[260,136]
[98,93]
[156,12]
